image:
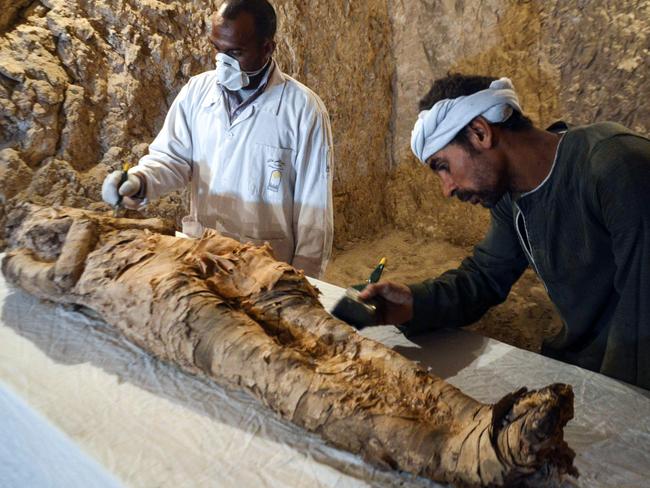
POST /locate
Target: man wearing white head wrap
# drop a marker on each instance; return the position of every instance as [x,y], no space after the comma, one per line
[437,127]
[574,206]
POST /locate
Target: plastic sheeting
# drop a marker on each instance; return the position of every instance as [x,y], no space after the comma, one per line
[150,424]
[35,453]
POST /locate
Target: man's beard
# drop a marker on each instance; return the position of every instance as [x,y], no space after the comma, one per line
[487,198]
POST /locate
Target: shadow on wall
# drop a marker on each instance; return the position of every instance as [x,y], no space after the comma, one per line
[414,200]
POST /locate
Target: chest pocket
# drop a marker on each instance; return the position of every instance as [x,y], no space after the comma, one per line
[274,178]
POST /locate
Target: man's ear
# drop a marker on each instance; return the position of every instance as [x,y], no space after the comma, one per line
[481,134]
[269,48]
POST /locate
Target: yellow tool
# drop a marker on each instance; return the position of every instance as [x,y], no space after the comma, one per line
[125,176]
[376,274]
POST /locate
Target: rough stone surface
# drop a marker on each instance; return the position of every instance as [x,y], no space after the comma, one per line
[85,85]
[415,203]
[342,50]
[580,61]
[9,10]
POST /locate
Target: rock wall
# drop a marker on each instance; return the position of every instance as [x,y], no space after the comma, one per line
[85,85]
[581,61]
[342,50]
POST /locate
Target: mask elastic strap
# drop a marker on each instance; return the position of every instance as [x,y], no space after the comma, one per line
[255,73]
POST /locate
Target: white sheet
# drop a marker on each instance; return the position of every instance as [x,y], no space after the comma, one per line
[35,453]
[149,424]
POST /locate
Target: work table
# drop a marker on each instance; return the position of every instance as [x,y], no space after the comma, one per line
[88,405]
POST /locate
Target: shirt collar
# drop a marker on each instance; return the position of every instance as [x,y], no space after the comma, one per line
[262,85]
[237,101]
[548,176]
[269,100]
[273,93]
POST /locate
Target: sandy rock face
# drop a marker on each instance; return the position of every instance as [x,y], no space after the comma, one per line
[85,85]
[578,61]
[9,9]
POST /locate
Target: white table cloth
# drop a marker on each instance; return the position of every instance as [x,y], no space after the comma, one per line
[74,392]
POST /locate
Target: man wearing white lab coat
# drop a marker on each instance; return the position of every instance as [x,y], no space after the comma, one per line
[254,144]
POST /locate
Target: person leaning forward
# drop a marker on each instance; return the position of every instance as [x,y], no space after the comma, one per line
[254,144]
[574,205]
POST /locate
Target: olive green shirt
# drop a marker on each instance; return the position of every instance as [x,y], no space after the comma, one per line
[586,232]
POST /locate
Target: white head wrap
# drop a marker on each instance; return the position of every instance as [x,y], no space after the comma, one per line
[437,127]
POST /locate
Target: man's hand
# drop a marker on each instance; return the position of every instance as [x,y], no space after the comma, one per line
[397,304]
[111,192]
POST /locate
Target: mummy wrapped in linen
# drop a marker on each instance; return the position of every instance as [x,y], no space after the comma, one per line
[216,307]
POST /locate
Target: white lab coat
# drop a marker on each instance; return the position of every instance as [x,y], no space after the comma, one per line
[265,177]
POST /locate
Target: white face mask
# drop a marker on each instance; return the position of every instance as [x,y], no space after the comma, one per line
[230,74]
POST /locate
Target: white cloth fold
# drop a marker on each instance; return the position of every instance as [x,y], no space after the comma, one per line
[437,127]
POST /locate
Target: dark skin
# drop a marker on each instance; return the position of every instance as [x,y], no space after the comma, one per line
[500,161]
[238,39]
